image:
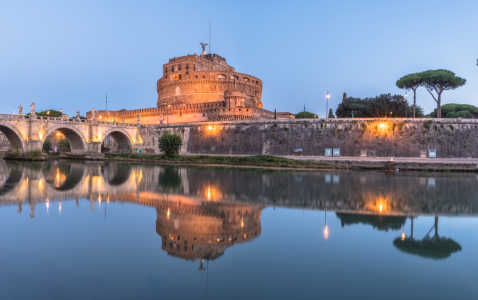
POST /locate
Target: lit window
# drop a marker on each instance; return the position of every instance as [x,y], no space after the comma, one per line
[246,79]
[220,76]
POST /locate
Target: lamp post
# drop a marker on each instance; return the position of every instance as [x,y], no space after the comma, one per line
[406,103]
[327,107]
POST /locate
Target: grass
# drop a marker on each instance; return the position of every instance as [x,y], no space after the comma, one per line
[255,160]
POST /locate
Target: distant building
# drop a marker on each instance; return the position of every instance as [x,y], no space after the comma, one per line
[198,88]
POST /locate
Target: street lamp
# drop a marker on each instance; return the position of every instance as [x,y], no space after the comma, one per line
[327,107]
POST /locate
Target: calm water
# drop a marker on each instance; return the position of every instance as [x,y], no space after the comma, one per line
[73,230]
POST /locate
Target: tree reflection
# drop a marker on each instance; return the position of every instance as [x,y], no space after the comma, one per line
[435,247]
[169,179]
[380,222]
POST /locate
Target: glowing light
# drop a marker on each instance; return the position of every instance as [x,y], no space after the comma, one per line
[168,213]
[47,204]
[245,236]
[108,199]
[100,117]
[380,207]
[403,236]
[328,96]
[57,134]
[382,126]
[242,223]
[59,208]
[209,193]
[99,201]
[210,128]
[326,232]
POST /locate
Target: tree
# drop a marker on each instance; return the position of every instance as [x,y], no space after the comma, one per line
[47,145]
[331,114]
[412,82]
[440,81]
[305,115]
[275,114]
[170,144]
[49,113]
[384,105]
[453,110]
[64,145]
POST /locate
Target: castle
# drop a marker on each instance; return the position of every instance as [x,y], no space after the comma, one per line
[198,88]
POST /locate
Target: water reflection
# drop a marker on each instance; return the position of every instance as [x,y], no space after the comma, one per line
[203,211]
[434,247]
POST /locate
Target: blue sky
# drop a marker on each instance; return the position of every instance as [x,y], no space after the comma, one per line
[68,54]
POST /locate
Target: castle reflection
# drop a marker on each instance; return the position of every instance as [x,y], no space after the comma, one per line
[205,231]
[201,211]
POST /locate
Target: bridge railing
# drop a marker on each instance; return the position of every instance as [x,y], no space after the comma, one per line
[63,119]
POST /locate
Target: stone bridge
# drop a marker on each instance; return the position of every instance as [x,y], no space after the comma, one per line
[27,133]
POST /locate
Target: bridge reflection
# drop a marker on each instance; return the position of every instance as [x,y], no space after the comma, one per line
[201,212]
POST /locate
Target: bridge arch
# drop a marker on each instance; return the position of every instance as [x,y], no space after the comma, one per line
[78,144]
[122,138]
[116,174]
[64,176]
[14,178]
[13,136]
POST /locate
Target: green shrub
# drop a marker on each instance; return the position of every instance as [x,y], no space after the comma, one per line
[35,153]
[306,115]
[170,144]
[47,145]
[64,145]
[15,151]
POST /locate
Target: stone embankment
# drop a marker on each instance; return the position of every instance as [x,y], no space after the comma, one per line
[365,138]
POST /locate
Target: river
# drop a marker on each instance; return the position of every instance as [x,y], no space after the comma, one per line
[99,230]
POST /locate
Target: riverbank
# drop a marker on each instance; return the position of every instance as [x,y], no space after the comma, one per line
[303,162]
[267,161]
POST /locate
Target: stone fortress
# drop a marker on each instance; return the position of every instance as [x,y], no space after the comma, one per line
[199,88]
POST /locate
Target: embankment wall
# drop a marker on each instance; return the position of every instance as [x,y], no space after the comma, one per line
[451,138]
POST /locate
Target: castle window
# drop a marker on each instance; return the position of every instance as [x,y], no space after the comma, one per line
[220,76]
[166,70]
[203,76]
[187,72]
[196,76]
[172,68]
[246,79]
[187,66]
[176,77]
[179,68]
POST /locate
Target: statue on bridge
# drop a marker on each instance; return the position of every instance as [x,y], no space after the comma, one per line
[122,118]
[20,108]
[77,114]
[93,113]
[33,108]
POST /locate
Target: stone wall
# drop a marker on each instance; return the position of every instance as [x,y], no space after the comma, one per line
[354,137]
